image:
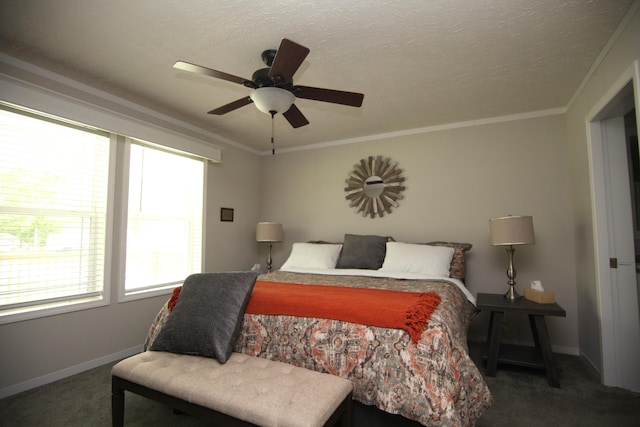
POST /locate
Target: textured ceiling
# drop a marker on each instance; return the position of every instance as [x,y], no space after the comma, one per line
[419,63]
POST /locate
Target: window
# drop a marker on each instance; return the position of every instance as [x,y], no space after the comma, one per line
[53,213]
[58,196]
[164,219]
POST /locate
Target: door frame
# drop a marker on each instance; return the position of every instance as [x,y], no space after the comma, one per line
[616,102]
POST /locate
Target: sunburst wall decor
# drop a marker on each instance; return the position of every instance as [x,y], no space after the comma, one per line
[374,186]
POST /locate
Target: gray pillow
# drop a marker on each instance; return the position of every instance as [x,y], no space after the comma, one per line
[208,316]
[365,252]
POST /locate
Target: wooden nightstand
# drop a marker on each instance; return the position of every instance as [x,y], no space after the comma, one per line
[539,356]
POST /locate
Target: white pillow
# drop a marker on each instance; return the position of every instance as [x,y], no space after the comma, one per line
[414,258]
[317,256]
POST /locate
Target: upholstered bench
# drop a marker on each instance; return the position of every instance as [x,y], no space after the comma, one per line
[244,391]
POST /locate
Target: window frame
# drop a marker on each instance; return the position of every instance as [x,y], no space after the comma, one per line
[46,309]
[120,252]
[116,222]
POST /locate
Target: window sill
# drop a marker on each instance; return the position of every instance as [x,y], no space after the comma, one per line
[134,295]
[51,309]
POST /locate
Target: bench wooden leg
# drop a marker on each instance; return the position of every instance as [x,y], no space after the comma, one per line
[341,417]
[345,419]
[117,404]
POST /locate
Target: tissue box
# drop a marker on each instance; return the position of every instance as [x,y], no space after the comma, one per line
[542,297]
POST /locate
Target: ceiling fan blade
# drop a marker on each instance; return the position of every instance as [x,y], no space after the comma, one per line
[231,106]
[329,95]
[289,57]
[295,117]
[193,68]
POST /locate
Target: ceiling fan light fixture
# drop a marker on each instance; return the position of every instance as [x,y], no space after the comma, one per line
[272,99]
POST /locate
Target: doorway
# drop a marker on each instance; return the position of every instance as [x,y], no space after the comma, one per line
[631,131]
[614,194]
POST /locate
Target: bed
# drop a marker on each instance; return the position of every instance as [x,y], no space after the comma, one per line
[427,377]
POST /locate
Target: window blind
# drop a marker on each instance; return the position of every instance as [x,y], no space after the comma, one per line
[164,218]
[53,211]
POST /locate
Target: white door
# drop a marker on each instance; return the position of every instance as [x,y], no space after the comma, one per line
[622,271]
[617,292]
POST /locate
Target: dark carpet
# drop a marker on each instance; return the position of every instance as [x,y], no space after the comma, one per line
[522,398]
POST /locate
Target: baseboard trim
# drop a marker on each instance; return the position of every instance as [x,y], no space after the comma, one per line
[67,372]
[591,366]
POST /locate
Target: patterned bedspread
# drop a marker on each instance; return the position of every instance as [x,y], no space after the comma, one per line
[433,381]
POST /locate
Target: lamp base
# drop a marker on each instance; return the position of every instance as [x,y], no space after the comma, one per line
[512,294]
[269,259]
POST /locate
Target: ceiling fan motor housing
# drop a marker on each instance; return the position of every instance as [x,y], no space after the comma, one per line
[268,55]
[262,79]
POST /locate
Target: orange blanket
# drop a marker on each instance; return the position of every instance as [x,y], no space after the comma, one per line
[376,307]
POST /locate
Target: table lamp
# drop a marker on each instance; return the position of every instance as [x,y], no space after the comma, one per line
[269,232]
[510,231]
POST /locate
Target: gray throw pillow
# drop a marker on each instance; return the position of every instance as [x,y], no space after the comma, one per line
[365,252]
[207,318]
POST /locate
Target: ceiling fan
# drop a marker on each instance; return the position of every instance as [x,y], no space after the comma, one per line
[274,91]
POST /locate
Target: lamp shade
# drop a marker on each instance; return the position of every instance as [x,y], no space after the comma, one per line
[511,230]
[269,99]
[269,232]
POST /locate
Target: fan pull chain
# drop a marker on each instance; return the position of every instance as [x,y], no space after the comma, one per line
[273,131]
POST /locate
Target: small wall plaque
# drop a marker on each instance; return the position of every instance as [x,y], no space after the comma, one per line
[226,214]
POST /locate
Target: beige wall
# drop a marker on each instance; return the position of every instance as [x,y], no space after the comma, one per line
[623,52]
[41,350]
[233,184]
[456,180]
